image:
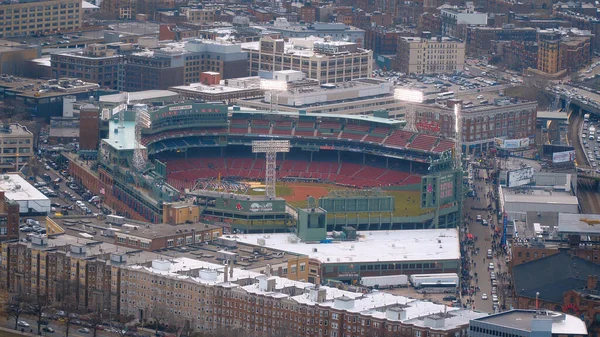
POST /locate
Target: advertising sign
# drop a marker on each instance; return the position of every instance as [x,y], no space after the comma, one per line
[511,143]
[520,177]
[505,226]
[261,207]
[563,157]
[446,188]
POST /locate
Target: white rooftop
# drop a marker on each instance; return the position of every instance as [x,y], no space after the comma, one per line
[383,246]
[373,304]
[538,196]
[16,188]
[208,89]
[137,96]
[578,223]
[300,46]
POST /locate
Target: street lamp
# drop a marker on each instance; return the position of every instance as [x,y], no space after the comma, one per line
[272,86]
[409,96]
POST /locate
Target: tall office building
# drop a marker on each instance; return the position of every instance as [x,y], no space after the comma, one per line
[427,55]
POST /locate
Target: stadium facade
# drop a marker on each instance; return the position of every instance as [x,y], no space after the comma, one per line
[409,177]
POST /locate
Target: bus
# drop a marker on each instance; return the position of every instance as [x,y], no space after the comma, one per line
[445,95]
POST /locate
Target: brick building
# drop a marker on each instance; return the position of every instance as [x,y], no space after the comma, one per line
[481,124]
[264,305]
[89,127]
[9,218]
[479,39]
[96,64]
[162,236]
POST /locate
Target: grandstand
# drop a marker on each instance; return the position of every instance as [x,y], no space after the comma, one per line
[200,142]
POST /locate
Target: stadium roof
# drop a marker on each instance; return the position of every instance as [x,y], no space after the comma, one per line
[388,121]
[382,246]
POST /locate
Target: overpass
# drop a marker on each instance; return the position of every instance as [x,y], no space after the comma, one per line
[573,96]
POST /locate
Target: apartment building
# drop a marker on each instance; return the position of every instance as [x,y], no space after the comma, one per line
[96,64]
[153,70]
[225,58]
[481,124]
[320,59]
[215,298]
[26,17]
[427,55]
[86,272]
[558,51]
[17,146]
[481,39]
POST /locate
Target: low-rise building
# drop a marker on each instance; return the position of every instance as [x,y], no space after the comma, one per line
[17,146]
[96,64]
[427,54]
[320,59]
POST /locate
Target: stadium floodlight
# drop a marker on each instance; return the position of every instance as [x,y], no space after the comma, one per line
[408,95]
[270,148]
[458,133]
[273,85]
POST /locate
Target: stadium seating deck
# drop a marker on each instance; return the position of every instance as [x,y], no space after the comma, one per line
[423,142]
[444,145]
[358,128]
[399,138]
[182,173]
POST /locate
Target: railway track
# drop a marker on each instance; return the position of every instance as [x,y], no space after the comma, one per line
[589,200]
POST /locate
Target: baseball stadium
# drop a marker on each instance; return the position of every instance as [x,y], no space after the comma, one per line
[361,171]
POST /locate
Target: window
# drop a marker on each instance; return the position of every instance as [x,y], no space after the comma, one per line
[170,243]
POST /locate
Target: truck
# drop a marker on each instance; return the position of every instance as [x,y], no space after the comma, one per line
[447,280]
[387,281]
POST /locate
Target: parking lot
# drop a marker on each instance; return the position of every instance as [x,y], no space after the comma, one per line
[475,85]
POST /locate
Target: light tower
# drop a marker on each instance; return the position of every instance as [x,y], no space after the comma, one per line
[142,120]
[458,132]
[409,96]
[273,86]
[271,148]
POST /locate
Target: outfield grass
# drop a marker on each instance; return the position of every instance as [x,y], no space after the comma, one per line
[280,190]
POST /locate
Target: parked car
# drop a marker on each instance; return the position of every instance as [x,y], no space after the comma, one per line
[23,324]
[48,329]
[84,330]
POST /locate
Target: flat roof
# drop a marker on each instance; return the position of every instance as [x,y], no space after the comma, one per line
[17,188]
[212,89]
[152,231]
[64,132]
[372,304]
[121,139]
[383,246]
[522,320]
[98,249]
[139,96]
[388,121]
[16,130]
[578,223]
[538,196]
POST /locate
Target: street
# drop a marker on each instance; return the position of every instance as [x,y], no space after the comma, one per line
[480,281]
[58,326]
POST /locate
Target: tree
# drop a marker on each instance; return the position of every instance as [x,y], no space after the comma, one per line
[158,315]
[38,304]
[15,307]
[67,301]
[95,319]
[123,324]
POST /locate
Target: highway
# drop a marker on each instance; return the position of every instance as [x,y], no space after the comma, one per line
[588,197]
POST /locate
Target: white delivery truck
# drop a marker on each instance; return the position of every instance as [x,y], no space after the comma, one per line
[388,281]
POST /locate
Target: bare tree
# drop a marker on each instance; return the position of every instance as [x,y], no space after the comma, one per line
[38,304]
[123,324]
[67,301]
[16,307]
[159,315]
